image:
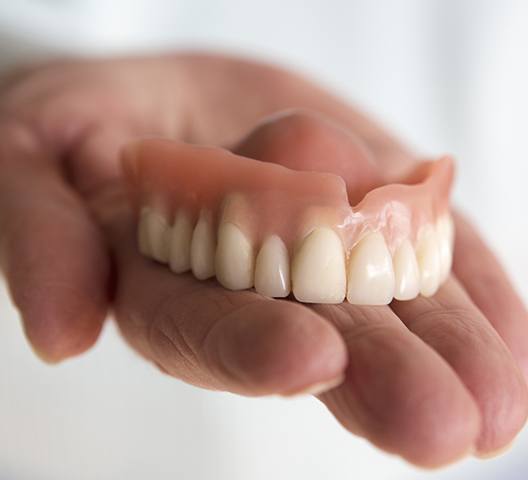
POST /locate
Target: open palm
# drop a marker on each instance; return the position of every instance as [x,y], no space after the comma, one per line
[430,379]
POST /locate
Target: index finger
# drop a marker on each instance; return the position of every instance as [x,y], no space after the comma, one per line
[51,251]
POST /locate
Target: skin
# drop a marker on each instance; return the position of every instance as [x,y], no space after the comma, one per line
[430,380]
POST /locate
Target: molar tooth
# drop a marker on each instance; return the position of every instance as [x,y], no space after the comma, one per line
[406,272]
[450,227]
[235,259]
[158,231]
[180,243]
[142,232]
[446,238]
[444,250]
[318,268]
[272,268]
[428,257]
[203,247]
[370,274]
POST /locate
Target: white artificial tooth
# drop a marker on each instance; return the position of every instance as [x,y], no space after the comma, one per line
[450,227]
[142,232]
[428,257]
[406,272]
[272,268]
[180,243]
[235,259]
[370,272]
[203,247]
[318,268]
[158,231]
[445,243]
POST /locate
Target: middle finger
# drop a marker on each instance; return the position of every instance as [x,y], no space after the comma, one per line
[451,324]
[398,392]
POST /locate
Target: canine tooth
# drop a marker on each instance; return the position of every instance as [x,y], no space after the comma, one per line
[203,248]
[180,243]
[370,274]
[406,272]
[235,260]
[428,258]
[444,229]
[272,268]
[142,232]
[318,268]
[158,230]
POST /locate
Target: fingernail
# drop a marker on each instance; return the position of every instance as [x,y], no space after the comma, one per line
[45,357]
[317,388]
[40,354]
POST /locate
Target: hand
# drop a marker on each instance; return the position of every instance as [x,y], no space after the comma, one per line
[428,379]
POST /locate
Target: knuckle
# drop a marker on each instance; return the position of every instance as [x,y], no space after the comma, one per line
[20,141]
[308,126]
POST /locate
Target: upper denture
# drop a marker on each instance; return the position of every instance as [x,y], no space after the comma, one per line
[222,209]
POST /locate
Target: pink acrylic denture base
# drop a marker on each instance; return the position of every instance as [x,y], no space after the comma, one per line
[265,198]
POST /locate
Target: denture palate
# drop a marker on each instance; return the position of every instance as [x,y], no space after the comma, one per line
[260,225]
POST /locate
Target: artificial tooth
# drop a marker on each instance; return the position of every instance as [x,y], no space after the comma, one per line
[235,260]
[203,247]
[444,229]
[272,268]
[427,255]
[370,272]
[406,272]
[450,227]
[158,231]
[142,232]
[180,243]
[318,268]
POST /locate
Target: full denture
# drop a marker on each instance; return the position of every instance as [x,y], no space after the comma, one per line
[281,231]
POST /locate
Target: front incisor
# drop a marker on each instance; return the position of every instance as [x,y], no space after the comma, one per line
[318,268]
[370,272]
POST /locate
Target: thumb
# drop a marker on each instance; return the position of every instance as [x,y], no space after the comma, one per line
[51,251]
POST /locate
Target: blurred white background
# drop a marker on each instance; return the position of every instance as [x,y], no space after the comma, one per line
[446,75]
